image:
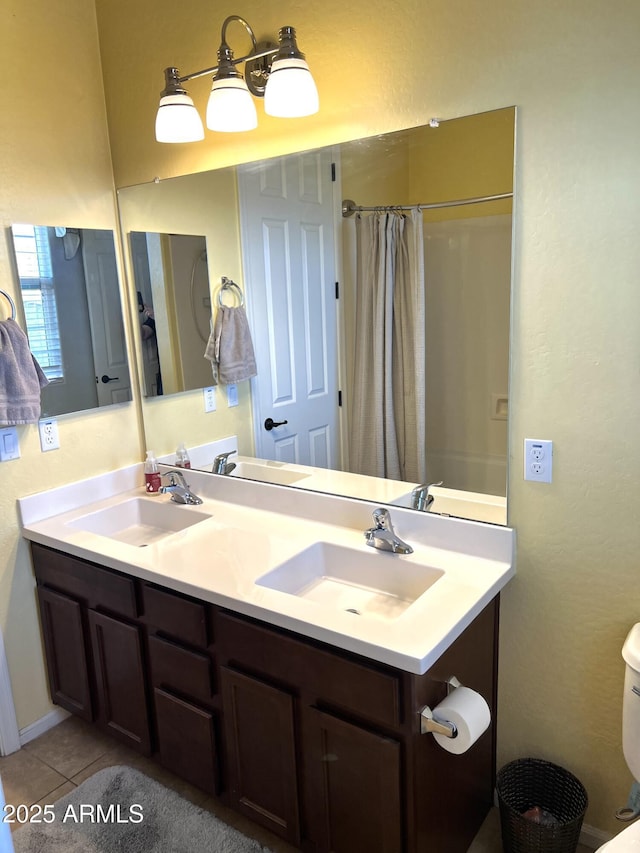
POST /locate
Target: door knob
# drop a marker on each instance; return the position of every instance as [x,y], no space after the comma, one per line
[269,424]
[106,378]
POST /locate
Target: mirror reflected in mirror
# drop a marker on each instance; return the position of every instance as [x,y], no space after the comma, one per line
[70,296]
[174,310]
[390,325]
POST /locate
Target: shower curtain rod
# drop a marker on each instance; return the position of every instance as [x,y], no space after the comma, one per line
[349,207]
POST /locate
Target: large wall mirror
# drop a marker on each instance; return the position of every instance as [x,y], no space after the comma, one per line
[380,326]
[70,295]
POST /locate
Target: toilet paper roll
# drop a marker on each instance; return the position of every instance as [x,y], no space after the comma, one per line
[470,714]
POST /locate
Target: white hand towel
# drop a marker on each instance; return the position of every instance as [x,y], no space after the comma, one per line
[21,377]
[230,348]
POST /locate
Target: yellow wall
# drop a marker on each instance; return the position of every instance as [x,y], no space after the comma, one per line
[55,169]
[572,70]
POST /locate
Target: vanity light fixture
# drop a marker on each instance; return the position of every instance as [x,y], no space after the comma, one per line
[277,73]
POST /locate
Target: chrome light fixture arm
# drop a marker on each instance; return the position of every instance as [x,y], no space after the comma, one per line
[292,95]
[226,57]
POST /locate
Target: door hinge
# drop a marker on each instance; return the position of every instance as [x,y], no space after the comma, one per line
[339,398]
[333,172]
[337,290]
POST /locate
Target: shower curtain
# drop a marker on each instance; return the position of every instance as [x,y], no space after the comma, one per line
[387,424]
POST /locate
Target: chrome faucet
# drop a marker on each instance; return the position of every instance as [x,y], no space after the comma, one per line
[179,489]
[421,499]
[383,536]
[221,465]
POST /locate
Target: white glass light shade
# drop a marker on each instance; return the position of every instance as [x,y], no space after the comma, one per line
[178,120]
[291,90]
[231,106]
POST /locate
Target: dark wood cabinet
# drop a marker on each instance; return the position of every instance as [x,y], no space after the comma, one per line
[120,680]
[354,784]
[187,743]
[64,645]
[259,727]
[321,746]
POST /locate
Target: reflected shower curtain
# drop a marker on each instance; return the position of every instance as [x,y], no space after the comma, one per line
[387,426]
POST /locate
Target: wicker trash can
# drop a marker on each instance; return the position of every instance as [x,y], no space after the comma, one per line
[554,800]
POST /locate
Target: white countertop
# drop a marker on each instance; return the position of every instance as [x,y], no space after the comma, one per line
[254,527]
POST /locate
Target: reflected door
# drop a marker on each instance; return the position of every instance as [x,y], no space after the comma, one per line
[105,317]
[286,216]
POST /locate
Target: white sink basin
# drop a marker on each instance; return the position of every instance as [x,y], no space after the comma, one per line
[277,473]
[139,521]
[365,582]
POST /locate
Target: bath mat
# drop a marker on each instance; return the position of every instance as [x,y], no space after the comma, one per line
[120,810]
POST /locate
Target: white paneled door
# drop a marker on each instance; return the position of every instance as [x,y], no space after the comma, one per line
[287,222]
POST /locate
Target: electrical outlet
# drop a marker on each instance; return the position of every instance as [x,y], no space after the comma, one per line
[538,460]
[209,399]
[232,395]
[49,439]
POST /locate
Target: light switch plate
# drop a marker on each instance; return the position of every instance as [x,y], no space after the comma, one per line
[9,446]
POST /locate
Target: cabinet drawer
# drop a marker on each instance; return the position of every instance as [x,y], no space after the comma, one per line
[369,691]
[175,615]
[99,588]
[187,741]
[180,669]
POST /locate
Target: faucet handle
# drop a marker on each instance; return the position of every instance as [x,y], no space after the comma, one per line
[382,518]
[176,478]
[421,497]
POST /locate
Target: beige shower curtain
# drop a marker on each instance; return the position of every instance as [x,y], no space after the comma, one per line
[387,423]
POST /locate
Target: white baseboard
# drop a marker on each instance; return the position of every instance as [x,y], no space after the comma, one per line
[42,725]
[592,837]
[9,736]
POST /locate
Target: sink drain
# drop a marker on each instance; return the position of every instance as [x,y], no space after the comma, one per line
[352,610]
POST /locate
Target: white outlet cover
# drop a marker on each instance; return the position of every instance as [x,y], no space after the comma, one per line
[49,439]
[232,395]
[209,398]
[538,460]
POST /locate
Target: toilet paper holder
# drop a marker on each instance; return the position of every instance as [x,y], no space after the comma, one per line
[433,725]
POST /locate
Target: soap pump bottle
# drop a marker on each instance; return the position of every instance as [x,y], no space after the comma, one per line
[151,474]
[182,457]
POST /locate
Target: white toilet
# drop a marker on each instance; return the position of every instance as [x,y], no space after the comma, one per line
[628,841]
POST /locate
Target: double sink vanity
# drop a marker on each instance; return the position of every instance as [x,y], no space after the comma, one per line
[257,647]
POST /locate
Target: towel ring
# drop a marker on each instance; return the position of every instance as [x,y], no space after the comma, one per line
[228,284]
[11,303]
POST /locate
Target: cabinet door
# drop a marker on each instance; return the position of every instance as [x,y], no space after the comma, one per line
[260,739]
[186,740]
[65,648]
[120,677]
[353,787]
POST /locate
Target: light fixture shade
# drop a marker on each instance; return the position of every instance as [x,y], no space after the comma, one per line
[231,106]
[177,120]
[291,90]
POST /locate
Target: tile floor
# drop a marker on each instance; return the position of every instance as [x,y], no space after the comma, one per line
[59,760]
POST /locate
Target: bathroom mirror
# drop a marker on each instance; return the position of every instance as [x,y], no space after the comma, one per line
[174,310]
[467,258]
[73,313]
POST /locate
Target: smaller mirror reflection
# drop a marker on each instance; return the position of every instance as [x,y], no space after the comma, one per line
[71,301]
[174,310]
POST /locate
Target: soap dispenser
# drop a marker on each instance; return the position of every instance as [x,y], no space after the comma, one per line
[151,474]
[182,457]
